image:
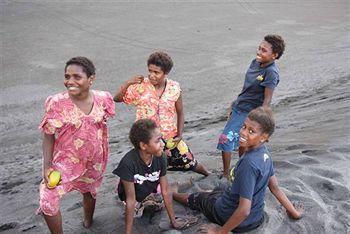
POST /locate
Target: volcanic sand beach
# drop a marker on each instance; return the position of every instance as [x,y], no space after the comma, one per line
[212,44]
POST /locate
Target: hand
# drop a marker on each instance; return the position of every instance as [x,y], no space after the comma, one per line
[179,224]
[299,208]
[177,139]
[46,173]
[136,80]
[211,228]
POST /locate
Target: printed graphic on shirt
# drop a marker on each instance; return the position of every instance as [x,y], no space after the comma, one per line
[260,78]
[266,157]
[154,176]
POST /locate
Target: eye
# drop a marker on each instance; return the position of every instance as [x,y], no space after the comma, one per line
[251,131]
[66,77]
[243,127]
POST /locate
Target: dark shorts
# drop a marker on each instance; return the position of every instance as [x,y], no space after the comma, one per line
[205,203]
[229,139]
[180,162]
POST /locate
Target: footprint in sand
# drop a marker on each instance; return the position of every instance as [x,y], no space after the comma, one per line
[304,160]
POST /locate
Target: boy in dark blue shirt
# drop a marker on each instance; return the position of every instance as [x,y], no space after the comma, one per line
[239,207]
[261,78]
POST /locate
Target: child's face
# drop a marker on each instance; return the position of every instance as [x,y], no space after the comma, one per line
[156,75]
[76,80]
[264,53]
[250,135]
[155,145]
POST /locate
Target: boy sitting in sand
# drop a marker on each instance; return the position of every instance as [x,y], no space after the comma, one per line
[159,98]
[239,207]
[141,171]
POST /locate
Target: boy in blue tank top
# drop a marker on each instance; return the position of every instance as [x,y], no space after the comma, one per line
[261,78]
[240,206]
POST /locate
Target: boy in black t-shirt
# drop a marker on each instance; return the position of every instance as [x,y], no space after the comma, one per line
[142,170]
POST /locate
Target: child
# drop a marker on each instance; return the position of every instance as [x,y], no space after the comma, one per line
[160,99]
[239,207]
[75,141]
[141,171]
[261,79]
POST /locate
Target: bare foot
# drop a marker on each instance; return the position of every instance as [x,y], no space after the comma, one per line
[87,223]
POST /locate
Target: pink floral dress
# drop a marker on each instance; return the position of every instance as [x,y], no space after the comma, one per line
[81,146]
[149,106]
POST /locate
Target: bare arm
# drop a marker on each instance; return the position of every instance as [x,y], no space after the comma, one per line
[167,199]
[180,118]
[130,205]
[118,97]
[240,214]
[267,97]
[48,144]
[283,199]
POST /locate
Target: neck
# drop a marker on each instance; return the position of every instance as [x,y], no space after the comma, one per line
[145,157]
[266,64]
[83,96]
[161,85]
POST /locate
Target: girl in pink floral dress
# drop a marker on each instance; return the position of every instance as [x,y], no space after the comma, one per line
[160,99]
[75,141]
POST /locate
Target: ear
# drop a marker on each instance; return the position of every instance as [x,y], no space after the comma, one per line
[143,145]
[92,79]
[274,55]
[264,137]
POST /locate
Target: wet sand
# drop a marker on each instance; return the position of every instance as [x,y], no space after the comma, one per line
[212,45]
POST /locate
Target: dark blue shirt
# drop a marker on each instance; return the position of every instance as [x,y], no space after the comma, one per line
[256,79]
[250,179]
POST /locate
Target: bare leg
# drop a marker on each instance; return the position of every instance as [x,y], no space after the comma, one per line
[54,223]
[226,159]
[201,169]
[89,208]
[181,197]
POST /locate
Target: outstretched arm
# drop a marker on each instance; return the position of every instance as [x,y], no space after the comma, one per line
[130,205]
[283,199]
[118,97]
[167,199]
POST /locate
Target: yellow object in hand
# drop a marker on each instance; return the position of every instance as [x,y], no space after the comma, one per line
[170,144]
[54,179]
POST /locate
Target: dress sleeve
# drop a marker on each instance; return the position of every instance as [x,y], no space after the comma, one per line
[174,91]
[132,95]
[109,106]
[271,79]
[52,118]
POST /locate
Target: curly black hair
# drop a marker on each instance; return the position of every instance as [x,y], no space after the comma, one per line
[162,60]
[277,43]
[264,117]
[141,131]
[85,63]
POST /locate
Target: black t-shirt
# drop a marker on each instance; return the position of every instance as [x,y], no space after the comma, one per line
[146,178]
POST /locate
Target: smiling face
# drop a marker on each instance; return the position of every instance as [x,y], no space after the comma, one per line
[156,75]
[251,135]
[264,54]
[155,145]
[76,81]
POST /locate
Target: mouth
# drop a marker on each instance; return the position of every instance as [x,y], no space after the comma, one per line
[72,88]
[242,140]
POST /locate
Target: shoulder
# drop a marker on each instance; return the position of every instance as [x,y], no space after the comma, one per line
[129,157]
[174,88]
[272,69]
[102,94]
[56,100]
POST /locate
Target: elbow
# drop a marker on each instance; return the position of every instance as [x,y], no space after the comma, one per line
[245,213]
